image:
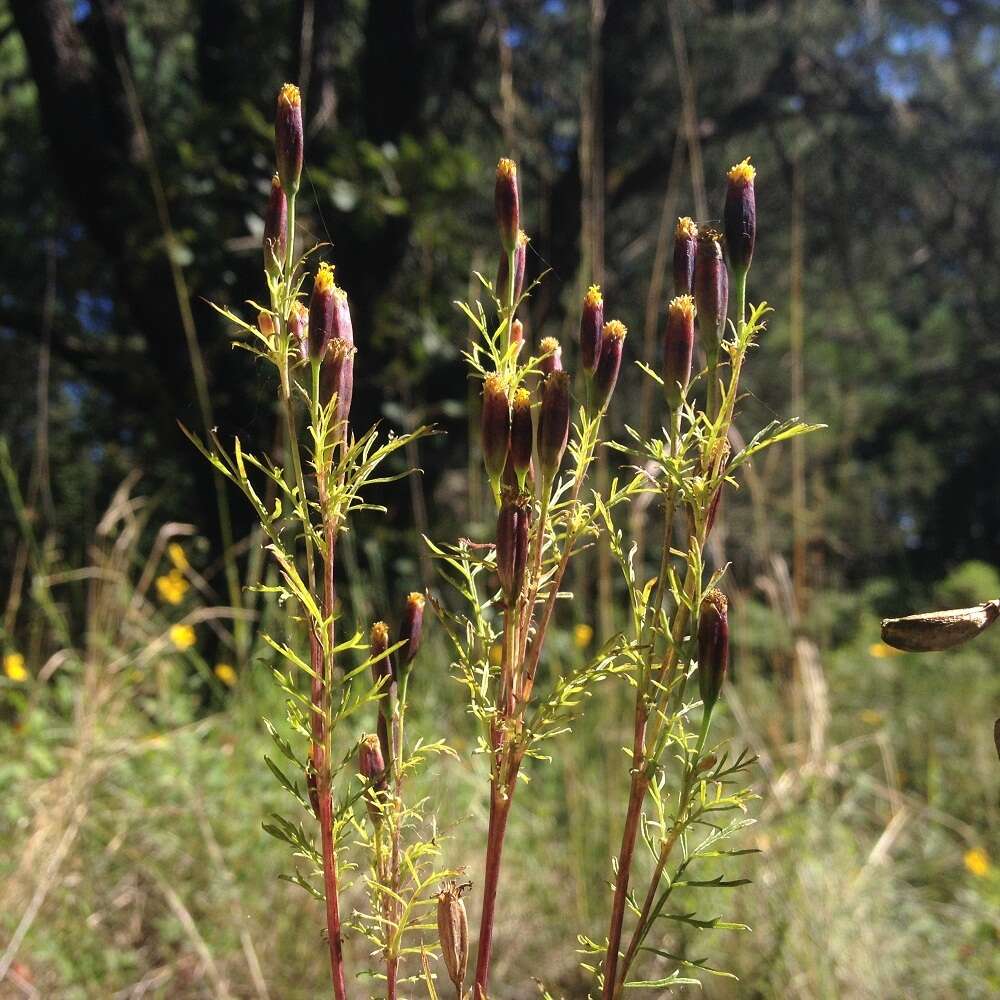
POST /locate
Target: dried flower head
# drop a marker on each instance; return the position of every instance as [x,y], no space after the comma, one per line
[453,932]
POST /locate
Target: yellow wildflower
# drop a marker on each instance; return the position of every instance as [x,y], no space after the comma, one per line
[871,717]
[178,556]
[226,674]
[13,667]
[977,862]
[881,651]
[172,587]
[182,636]
[582,634]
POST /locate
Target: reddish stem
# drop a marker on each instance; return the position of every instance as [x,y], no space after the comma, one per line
[330,884]
[499,811]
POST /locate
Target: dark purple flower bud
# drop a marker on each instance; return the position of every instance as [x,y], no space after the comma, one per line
[713,646]
[551,355]
[740,216]
[678,349]
[553,423]
[685,252]
[609,364]
[513,526]
[322,307]
[381,668]
[371,767]
[298,329]
[337,373]
[507,204]
[501,289]
[411,629]
[711,292]
[521,435]
[288,138]
[591,329]
[495,428]
[275,229]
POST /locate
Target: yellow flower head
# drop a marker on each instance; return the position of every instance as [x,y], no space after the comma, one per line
[977,862]
[14,668]
[593,298]
[226,674]
[743,172]
[172,587]
[683,305]
[182,636]
[289,95]
[615,329]
[686,229]
[881,651]
[177,554]
[582,634]
[507,168]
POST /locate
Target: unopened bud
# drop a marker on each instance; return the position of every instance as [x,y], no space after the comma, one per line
[337,373]
[411,629]
[513,524]
[711,292]
[591,329]
[517,334]
[521,435]
[713,646]
[507,204]
[495,428]
[740,216]
[288,138]
[610,363]
[685,252]
[553,423]
[298,329]
[265,323]
[678,349]
[939,629]
[382,665]
[502,289]
[551,355]
[275,229]
[453,933]
[322,307]
[371,767]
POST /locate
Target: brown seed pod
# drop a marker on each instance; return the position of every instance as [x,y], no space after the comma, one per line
[938,630]
[453,932]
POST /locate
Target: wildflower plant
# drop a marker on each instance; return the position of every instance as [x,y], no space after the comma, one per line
[306,335]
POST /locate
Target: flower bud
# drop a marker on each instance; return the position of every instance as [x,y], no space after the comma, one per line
[298,329]
[685,252]
[322,307]
[495,428]
[453,933]
[275,229]
[939,629]
[553,423]
[502,289]
[521,435]
[513,524]
[711,292]
[371,767]
[382,668]
[740,216]
[288,138]
[678,348]
[591,329]
[265,323]
[337,373]
[609,364]
[506,202]
[517,334]
[713,646]
[551,355]
[411,629]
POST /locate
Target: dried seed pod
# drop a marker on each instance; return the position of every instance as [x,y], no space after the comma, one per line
[495,428]
[453,933]
[322,306]
[521,435]
[411,629]
[513,528]
[288,138]
[939,629]
[275,229]
[713,646]
[685,252]
[501,289]
[740,216]
[711,291]
[591,329]
[553,423]
[609,364]
[551,355]
[678,349]
[298,329]
[507,204]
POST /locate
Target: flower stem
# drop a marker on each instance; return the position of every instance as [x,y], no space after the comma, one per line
[501,798]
